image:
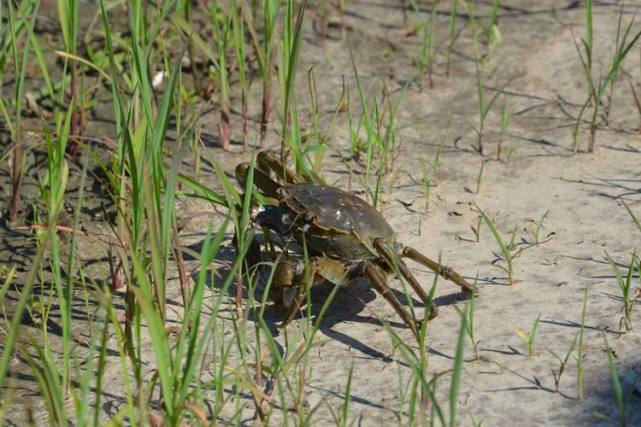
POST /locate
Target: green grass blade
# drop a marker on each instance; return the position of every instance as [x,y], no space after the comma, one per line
[497,236]
[632,215]
[201,191]
[458,368]
[616,383]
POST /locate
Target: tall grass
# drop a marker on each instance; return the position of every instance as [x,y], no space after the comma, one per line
[222,33]
[19,21]
[289,50]
[69,13]
[378,124]
[165,371]
[53,190]
[144,183]
[264,51]
[238,33]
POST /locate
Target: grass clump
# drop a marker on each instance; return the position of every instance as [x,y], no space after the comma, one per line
[528,338]
[603,84]
[626,288]
[563,362]
[425,62]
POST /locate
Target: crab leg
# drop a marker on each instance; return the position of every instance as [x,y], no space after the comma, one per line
[394,261]
[289,276]
[292,277]
[447,272]
[378,281]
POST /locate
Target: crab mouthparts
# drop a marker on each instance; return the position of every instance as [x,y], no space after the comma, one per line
[270,216]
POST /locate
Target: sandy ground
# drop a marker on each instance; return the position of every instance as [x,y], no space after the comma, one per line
[580,194]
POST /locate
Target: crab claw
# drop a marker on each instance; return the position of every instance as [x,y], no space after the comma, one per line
[267,186]
[241,173]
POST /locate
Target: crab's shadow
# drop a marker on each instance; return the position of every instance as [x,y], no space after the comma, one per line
[350,304]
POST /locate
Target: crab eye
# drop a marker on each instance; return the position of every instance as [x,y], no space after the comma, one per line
[286,219]
[257,212]
[298,268]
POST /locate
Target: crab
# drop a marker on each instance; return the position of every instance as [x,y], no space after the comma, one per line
[345,237]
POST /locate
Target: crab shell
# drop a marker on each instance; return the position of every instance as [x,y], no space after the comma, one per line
[333,222]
